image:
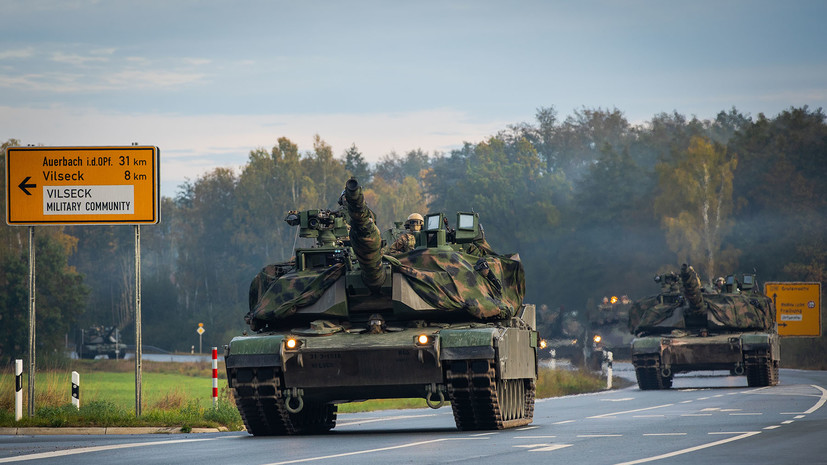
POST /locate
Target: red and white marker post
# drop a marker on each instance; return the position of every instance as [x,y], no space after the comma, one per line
[214,376]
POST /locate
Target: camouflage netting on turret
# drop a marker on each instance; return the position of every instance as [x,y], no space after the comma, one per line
[450,281]
[723,311]
[276,293]
[447,280]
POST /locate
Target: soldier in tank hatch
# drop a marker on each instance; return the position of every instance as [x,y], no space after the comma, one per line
[407,241]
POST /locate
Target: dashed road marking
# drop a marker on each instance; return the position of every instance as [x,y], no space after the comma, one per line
[543,447]
[691,449]
[773,427]
[631,411]
[664,434]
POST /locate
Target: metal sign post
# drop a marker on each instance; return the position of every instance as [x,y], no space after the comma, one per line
[138,351]
[31,320]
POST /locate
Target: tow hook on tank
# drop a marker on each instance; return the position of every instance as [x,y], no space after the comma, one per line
[290,394]
[666,371]
[739,369]
[432,389]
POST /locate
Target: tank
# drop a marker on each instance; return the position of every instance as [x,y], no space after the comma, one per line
[100,340]
[343,321]
[690,328]
[609,330]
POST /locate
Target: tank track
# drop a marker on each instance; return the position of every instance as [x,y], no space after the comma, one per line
[647,371]
[761,369]
[264,410]
[481,401]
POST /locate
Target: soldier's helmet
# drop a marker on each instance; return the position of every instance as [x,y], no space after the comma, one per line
[415,222]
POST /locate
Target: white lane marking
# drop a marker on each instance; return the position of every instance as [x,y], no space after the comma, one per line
[485,434]
[729,432]
[730,410]
[370,451]
[631,411]
[691,449]
[686,401]
[710,409]
[664,434]
[86,450]
[746,413]
[703,398]
[696,415]
[544,447]
[649,416]
[564,422]
[617,400]
[374,420]
[773,427]
[820,402]
[798,417]
[534,437]
[526,428]
[599,435]
[718,395]
[787,422]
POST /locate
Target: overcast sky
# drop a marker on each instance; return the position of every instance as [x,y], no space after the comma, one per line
[208,81]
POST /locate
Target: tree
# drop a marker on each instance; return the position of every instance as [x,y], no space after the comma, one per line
[356,165]
[695,204]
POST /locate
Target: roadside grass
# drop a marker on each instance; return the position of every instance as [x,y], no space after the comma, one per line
[179,395]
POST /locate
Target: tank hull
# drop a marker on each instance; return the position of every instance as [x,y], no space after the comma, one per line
[658,358]
[487,371]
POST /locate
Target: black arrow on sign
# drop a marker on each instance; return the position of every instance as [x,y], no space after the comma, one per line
[23,186]
[782,324]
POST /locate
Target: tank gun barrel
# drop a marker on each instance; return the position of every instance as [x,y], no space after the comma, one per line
[364,235]
[692,288]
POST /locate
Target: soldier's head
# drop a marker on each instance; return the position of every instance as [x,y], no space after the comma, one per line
[415,222]
[719,283]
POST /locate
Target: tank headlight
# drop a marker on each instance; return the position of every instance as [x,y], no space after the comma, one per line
[292,343]
[597,339]
[543,343]
[423,340]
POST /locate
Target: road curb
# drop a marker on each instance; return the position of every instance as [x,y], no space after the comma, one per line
[112,430]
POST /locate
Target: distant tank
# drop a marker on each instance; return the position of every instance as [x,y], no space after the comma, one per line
[343,321]
[100,340]
[688,328]
[609,330]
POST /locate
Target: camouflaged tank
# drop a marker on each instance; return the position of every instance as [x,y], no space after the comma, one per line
[344,321]
[689,328]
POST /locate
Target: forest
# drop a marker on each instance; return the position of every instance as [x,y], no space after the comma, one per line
[594,204]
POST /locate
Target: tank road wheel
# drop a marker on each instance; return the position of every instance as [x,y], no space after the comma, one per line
[263,408]
[648,373]
[481,401]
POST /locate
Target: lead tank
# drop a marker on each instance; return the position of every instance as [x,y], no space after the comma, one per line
[689,328]
[343,322]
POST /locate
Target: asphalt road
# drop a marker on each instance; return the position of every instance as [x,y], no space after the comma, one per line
[703,419]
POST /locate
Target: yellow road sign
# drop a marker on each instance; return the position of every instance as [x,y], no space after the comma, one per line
[797,307]
[82,185]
